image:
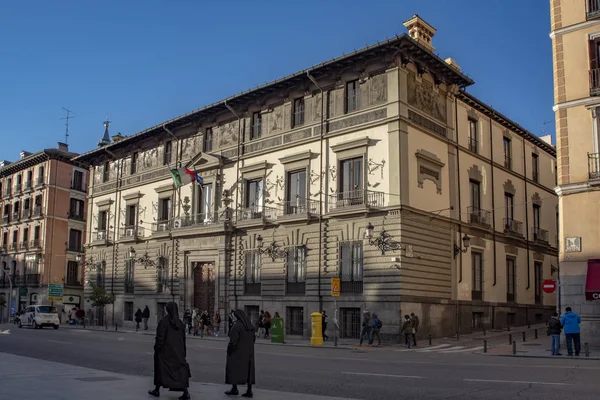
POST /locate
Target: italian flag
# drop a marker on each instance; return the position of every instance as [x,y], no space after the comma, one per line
[184,176]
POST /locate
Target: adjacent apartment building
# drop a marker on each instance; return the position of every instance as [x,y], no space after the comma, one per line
[43,208]
[376,168]
[576,53]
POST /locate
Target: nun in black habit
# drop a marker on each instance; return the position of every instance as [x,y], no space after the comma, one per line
[171,370]
[240,355]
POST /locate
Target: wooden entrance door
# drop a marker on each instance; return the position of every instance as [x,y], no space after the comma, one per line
[204,287]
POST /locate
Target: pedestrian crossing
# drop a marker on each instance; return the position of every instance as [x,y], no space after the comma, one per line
[444,349]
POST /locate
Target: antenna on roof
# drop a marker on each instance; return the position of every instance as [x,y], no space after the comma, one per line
[68,117]
[544,132]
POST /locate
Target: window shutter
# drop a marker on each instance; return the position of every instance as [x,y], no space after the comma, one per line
[593,45]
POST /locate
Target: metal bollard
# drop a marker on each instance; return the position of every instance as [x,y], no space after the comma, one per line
[484,331]
[524,339]
[485,346]
[116,326]
[536,333]
[510,338]
[430,340]
[514,347]
[586,348]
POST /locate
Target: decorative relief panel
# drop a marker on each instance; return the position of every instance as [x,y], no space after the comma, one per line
[426,123]
[422,96]
[316,107]
[475,174]
[228,135]
[303,134]
[378,89]
[509,187]
[263,144]
[276,120]
[536,199]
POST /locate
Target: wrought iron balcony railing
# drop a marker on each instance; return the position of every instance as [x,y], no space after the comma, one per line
[33,279]
[595,82]
[254,213]
[512,226]
[38,211]
[473,145]
[593,9]
[365,198]
[300,206]
[540,235]
[479,216]
[594,165]
[131,232]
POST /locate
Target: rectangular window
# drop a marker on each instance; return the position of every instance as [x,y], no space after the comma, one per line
[507,153]
[511,280]
[535,167]
[256,129]
[351,267]
[78,183]
[477,265]
[106,172]
[475,190]
[296,192]
[473,136]
[162,274]
[252,282]
[131,216]
[103,221]
[509,202]
[208,140]
[19,183]
[538,272]
[16,210]
[36,234]
[40,176]
[128,311]
[129,276]
[75,240]
[72,273]
[167,156]
[27,208]
[537,211]
[352,96]
[164,209]
[28,182]
[76,209]
[134,162]
[205,204]
[294,319]
[8,187]
[593,9]
[296,270]
[254,195]
[351,177]
[298,119]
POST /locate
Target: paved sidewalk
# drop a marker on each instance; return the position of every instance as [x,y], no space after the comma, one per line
[26,378]
[537,348]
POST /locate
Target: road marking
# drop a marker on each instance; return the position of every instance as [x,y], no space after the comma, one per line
[58,341]
[386,375]
[6,332]
[439,346]
[523,382]
[446,351]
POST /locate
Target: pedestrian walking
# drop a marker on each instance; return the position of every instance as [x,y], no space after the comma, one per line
[324,321]
[240,355]
[377,325]
[187,320]
[554,328]
[570,323]
[146,317]
[267,324]
[261,327]
[138,319]
[367,328]
[217,323]
[196,322]
[407,329]
[415,328]
[171,370]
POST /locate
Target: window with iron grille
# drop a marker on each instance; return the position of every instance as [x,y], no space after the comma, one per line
[167,156]
[296,270]
[129,276]
[298,112]
[162,274]
[294,321]
[352,96]
[511,280]
[477,266]
[72,273]
[208,139]
[473,136]
[76,209]
[128,312]
[75,240]
[351,267]
[256,128]
[350,323]
[252,283]
[538,271]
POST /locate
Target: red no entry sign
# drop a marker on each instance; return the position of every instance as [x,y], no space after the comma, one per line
[548,286]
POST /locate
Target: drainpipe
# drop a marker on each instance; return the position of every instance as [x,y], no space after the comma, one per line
[321,158]
[177,160]
[460,271]
[526,228]
[53,227]
[493,200]
[117,219]
[237,192]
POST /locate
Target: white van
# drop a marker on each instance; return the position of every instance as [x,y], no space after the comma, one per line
[39,317]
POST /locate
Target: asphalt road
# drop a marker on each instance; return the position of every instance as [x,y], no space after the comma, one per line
[376,373]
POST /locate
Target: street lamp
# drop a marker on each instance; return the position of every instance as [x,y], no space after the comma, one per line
[466,242]
[273,250]
[383,242]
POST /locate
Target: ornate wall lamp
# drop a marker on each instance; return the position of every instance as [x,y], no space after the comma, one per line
[273,250]
[383,242]
[144,260]
[466,242]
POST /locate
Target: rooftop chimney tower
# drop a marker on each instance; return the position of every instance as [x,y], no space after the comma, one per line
[420,31]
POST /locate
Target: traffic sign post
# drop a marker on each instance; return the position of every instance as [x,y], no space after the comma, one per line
[549,286]
[55,292]
[336,289]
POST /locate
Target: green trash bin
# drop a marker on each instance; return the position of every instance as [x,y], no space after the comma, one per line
[277,330]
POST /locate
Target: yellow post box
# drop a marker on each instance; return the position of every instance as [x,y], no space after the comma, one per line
[317,329]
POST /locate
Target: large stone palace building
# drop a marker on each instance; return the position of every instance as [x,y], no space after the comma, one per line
[377,168]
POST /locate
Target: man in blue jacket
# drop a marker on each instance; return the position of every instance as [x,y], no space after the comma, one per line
[570,323]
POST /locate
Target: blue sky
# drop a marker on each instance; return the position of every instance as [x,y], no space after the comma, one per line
[144,62]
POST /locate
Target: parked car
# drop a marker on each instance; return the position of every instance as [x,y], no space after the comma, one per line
[39,317]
